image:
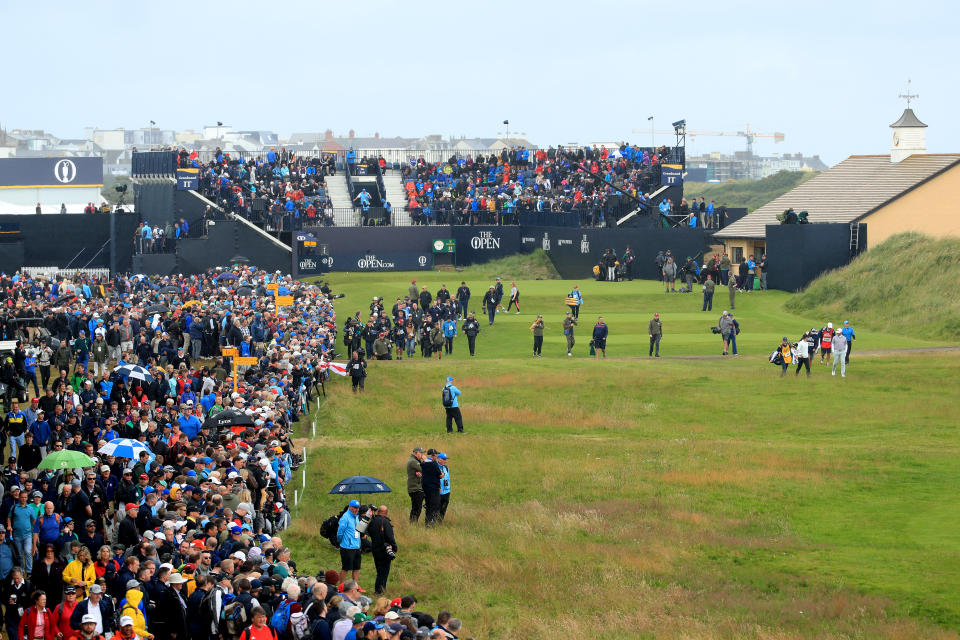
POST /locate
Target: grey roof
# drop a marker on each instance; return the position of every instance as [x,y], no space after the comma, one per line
[847,192]
[908,119]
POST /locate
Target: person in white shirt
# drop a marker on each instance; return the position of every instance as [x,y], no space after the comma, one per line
[803,355]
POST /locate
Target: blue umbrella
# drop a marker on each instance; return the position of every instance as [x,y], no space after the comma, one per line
[360,484]
[124,448]
[134,371]
[227,276]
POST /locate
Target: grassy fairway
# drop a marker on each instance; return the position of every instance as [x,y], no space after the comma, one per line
[630,498]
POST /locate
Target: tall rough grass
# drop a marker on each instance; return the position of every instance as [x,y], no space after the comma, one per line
[906,285]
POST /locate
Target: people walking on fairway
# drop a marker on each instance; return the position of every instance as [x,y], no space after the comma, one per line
[451,405]
[826,341]
[463,300]
[470,329]
[728,328]
[449,333]
[414,485]
[655,329]
[514,298]
[537,328]
[489,304]
[600,332]
[568,324]
[708,289]
[839,353]
[848,333]
[784,354]
[498,291]
[574,300]
[803,354]
[670,275]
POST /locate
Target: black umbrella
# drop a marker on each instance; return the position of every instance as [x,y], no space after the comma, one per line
[64,299]
[170,289]
[245,291]
[228,418]
[360,484]
[157,308]
[239,260]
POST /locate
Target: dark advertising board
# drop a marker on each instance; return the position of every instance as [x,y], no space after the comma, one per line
[476,245]
[51,172]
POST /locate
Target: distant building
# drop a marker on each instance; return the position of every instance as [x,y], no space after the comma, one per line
[907,190]
[721,167]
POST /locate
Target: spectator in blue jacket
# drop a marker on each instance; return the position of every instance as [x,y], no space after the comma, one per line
[449,333]
[6,555]
[349,540]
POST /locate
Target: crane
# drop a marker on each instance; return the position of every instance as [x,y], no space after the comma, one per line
[747,133]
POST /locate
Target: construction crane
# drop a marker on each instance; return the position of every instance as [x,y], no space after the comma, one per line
[747,133]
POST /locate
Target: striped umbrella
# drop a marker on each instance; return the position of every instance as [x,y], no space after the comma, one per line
[134,371]
[124,448]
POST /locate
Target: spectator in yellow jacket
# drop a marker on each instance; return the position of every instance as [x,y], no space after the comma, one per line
[81,572]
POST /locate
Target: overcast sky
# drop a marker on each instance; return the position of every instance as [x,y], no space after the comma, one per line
[826,74]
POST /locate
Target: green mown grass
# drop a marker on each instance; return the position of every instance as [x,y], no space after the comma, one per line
[633,498]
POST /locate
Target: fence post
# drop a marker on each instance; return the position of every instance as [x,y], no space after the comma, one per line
[314,428]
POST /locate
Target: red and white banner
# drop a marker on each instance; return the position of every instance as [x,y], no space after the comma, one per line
[335,367]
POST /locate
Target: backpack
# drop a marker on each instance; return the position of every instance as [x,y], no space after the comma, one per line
[447,397]
[281,618]
[329,529]
[298,626]
[233,618]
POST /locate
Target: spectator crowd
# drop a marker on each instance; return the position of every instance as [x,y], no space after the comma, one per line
[166,519]
[494,189]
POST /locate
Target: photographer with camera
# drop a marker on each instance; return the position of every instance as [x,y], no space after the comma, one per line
[383,547]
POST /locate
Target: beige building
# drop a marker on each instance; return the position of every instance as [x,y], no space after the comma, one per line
[908,190]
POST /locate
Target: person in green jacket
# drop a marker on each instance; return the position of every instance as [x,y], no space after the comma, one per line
[732,289]
[81,349]
[708,288]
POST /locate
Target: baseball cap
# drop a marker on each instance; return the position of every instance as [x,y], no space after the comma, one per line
[449,378]
[370,625]
[88,618]
[126,620]
[70,589]
[391,615]
[354,503]
[132,584]
[395,627]
[442,456]
[236,530]
[418,449]
[360,617]
[96,589]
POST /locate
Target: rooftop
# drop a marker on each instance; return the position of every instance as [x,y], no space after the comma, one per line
[846,192]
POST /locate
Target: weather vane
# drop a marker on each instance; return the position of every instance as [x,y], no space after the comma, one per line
[908,96]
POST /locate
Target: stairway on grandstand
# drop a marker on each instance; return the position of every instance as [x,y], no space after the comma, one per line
[338,191]
[396,194]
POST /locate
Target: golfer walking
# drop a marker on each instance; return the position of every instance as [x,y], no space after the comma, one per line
[451,405]
[655,330]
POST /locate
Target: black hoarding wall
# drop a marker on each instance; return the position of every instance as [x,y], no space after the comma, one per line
[155,264]
[154,201]
[798,253]
[11,256]
[225,240]
[74,240]
[574,252]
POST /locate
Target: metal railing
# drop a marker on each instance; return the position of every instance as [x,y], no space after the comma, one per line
[53,272]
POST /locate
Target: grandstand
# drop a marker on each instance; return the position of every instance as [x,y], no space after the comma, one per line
[584,186]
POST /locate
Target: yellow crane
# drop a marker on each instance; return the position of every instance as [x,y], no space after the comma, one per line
[747,133]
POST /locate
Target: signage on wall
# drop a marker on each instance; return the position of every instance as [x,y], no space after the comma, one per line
[485,240]
[51,172]
[446,245]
